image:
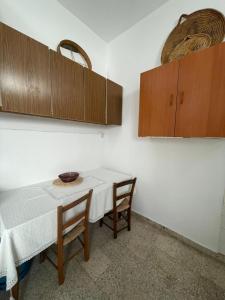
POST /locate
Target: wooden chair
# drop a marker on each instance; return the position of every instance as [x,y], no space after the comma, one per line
[81,227]
[123,209]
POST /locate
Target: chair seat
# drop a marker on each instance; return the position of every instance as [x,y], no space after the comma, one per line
[123,205]
[73,234]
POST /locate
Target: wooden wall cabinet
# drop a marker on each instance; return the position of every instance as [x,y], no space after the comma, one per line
[114,93]
[37,81]
[185,98]
[67,85]
[158,94]
[94,97]
[201,94]
[24,80]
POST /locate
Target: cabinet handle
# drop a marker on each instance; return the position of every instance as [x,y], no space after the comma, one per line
[171,99]
[182,98]
[0,100]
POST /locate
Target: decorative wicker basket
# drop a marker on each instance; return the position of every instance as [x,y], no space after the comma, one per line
[207,21]
[190,44]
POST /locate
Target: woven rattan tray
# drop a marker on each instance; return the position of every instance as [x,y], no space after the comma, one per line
[207,21]
[59,182]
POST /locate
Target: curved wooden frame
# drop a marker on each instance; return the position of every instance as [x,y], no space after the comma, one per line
[72,46]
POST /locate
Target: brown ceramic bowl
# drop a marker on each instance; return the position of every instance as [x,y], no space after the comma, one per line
[69,176]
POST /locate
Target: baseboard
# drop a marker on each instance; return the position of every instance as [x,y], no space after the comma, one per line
[183,239]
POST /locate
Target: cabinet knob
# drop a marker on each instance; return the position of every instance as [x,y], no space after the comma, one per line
[171,99]
[182,98]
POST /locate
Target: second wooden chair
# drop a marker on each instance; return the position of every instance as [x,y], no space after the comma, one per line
[124,207]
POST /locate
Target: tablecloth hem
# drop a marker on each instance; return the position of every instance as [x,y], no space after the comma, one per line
[12,282]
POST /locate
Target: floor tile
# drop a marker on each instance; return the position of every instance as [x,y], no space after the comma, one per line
[144,263]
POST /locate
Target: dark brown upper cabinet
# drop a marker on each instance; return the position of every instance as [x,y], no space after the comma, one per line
[24,80]
[185,98]
[37,81]
[201,94]
[67,82]
[95,97]
[114,94]
[158,94]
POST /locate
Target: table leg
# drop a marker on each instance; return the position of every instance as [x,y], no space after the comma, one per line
[43,255]
[15,291]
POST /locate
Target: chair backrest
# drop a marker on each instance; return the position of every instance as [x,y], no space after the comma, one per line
[129,194]
[78,217]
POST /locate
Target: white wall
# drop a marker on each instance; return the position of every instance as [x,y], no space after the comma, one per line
[38,149]
[180,181]
[222,230]
[28,156]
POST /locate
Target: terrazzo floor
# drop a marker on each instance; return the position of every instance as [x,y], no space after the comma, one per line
[145,263]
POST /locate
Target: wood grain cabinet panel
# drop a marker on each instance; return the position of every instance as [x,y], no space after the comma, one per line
[24,82]
[38,81]
[201,94]
[158,92]
[114,103]
[67,82]
[95,97]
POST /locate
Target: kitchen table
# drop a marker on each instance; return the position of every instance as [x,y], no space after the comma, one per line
[28,215]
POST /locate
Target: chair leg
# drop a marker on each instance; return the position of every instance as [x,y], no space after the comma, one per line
[128,218]
[86,245]
[15,291]
[43,256]
[101,222]
[60,264]
[115,225]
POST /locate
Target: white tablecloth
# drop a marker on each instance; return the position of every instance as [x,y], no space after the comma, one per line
[28,218]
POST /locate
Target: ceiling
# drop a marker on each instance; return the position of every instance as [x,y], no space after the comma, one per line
[109,18]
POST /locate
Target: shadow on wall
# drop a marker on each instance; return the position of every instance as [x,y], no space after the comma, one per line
[131,113]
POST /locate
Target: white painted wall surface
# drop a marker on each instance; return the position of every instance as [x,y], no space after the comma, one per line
[180,181]
[222,230]
[28,157]
[38,149]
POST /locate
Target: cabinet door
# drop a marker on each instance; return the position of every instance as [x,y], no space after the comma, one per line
[201,96]
[114,103]
[67,81]
[95,97]
[24,78]
[158,92]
